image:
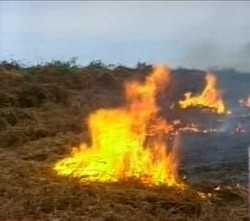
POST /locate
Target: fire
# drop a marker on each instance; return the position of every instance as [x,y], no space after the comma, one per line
[210,97]
[245,102]
[128,142]
[191,128]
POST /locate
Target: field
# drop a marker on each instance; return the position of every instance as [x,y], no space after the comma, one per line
[42,116]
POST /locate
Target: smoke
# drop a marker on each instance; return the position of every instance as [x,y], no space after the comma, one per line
[241,58]
[215,56]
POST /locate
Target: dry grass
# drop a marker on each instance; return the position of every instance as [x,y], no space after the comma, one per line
[41,118]
[30,190]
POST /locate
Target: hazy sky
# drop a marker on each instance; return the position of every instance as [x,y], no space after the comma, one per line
[191,34]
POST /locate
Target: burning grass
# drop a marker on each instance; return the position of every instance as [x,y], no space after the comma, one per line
[209,98]
[41,117]
[31,191]
[128,141]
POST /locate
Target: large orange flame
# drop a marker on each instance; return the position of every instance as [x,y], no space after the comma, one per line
[128,142]
[209,98]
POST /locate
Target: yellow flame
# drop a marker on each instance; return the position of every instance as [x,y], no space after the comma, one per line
[129,141]
[210,97]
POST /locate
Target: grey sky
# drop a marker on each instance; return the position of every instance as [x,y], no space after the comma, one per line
[191,34]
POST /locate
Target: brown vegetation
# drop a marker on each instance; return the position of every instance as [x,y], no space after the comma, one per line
[42,112]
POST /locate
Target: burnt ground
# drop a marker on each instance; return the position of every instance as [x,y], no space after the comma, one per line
[215,158]
[42,112]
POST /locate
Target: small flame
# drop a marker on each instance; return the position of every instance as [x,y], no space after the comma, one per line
[210,97]
[245,102]
[191,127]
[128,142]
